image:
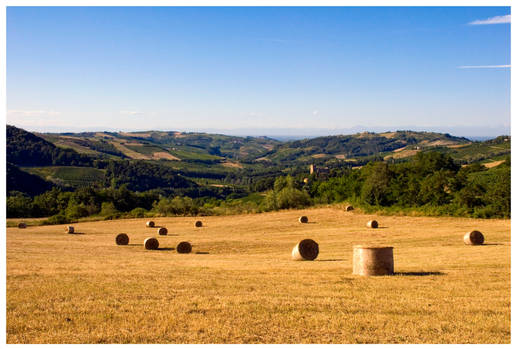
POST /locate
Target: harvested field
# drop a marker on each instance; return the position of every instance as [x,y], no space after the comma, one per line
[319,155]
[164,155]
[245,288]
[232,165]
[128,152]
[493,164]
[402,153]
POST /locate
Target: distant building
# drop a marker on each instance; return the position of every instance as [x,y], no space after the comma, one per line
[319,172]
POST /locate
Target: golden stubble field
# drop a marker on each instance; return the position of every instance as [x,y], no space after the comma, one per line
[83,288]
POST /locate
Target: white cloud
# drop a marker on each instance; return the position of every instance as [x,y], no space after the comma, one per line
[131,113]
[31,113]
[315,112]
[481,67]
[493,20]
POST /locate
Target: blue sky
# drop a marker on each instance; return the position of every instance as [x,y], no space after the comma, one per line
[138,68]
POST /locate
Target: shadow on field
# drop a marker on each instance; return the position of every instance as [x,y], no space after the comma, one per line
[166,249]
[331,260]
[493,244]
[135,244]
[420,273]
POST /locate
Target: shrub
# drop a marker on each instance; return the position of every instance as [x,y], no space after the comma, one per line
[137,213]
[108,210]
[19,206]
[57,220]
[76,211]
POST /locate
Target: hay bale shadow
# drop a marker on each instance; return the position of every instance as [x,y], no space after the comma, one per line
[135,244]
[165,248]
[331,260]
[201,253]
[419,273]
[77,233]
[492,244]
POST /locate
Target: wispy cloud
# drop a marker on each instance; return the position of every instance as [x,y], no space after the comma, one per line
[134,113]
[485,67]
[493,20]
[31,113]
[315,112]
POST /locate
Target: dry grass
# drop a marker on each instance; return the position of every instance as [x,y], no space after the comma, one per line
[85,289]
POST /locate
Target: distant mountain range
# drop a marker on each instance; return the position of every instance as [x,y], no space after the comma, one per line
[474,133]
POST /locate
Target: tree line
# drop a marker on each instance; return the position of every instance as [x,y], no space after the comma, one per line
[431,183]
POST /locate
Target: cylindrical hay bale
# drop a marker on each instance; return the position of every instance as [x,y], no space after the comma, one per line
[306,249]
[372,224]
[69,229]
[162,231]
[199,224]
[184,248]
[122,239]
[149,224]
[349,208]
[151,243]
[473,238]
[303,219]
[22,225]
[373,261]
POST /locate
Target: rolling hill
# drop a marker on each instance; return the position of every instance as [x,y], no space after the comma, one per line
[78,159]
[223,152]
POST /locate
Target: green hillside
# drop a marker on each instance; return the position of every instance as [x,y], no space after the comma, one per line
[171,173]
[69,176]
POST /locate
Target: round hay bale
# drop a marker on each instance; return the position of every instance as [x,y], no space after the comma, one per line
[349,208]
[69,229]
[474,238]
[373,260]
[199,224]
[22,225]
[303,219]
[122,239]
[184,248]
[151,243]
[306,249]
[162,231]
[372,224]
[149,224]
